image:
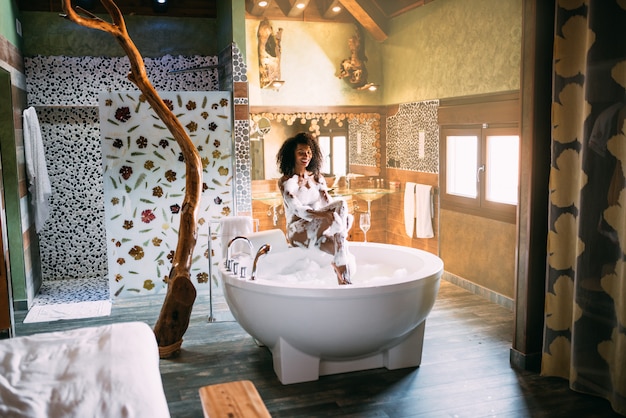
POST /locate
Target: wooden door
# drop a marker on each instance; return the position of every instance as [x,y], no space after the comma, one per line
[6,311]
[5,300]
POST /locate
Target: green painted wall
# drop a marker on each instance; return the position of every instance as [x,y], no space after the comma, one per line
[50,35]
[453,48]
[231,24]
[8,13]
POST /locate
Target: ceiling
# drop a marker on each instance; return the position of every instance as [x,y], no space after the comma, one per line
[175,8]
[372,15]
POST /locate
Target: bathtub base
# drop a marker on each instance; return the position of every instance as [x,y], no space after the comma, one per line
[293,366]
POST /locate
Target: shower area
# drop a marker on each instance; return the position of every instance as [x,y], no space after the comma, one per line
[113,217]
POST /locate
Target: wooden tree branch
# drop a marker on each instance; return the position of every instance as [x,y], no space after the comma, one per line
[181,294]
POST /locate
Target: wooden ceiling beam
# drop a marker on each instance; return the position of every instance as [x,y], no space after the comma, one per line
[292,8]
[368,16]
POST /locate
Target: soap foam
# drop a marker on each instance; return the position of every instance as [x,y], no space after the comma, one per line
[302,267]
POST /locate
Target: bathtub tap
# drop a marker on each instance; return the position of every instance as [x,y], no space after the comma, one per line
[228,249]
[263,250]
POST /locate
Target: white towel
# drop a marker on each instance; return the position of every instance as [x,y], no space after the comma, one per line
[234,226]
[409,208]
[40,188]
[423,211]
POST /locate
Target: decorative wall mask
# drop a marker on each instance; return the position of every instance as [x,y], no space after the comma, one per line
[353,70]
[269,54]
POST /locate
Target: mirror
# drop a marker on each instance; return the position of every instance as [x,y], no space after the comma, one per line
[350,141]
[264,126]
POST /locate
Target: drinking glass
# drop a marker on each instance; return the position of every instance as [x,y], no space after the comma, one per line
[364,222]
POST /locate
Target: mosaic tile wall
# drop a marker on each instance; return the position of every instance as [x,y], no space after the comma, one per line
[77,81]
[65,93]
[72,242]
[144,184]
[236,76]
[363,150]
[403,137]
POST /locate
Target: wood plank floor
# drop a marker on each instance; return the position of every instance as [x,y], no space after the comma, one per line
[465,370]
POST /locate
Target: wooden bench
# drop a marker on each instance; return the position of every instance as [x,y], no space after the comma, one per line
[238,399]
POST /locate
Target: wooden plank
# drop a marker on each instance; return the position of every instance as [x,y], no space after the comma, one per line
[238,399]
[371,18]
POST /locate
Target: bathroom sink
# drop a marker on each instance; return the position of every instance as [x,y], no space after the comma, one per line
[271,199]
[340,192]
[369,195]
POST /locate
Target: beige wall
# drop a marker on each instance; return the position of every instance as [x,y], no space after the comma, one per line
[480,250]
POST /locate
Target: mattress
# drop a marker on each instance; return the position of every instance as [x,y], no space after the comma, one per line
[106,371]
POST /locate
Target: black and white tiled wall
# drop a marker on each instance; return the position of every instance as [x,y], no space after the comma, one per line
[402,137]
[64,91]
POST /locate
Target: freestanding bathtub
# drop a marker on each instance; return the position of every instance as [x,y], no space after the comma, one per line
[313,332]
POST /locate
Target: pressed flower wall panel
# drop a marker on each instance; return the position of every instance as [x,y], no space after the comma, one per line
[144,185]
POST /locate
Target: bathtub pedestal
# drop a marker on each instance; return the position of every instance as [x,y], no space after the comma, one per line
[408,353]
[293,366]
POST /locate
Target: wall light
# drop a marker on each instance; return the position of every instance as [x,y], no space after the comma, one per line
[277,84]
[262,4]
[159,6]
[369,87]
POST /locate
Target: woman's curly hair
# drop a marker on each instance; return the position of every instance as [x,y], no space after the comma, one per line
[286,157]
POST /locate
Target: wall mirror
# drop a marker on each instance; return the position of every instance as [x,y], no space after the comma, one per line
[339,134]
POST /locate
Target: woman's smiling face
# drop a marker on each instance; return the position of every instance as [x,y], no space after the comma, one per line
[303,157]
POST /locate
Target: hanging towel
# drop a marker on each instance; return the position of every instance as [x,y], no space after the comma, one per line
[40,189]
[423,211]
[233,226]
[409,208]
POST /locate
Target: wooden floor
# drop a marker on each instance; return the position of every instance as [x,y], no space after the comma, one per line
[465,370]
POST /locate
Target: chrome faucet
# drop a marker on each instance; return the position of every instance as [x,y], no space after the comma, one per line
[265,248]
[228,249]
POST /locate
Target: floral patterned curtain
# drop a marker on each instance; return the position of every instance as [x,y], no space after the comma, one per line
[585,320]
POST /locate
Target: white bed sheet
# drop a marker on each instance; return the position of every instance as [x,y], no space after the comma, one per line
[106,371]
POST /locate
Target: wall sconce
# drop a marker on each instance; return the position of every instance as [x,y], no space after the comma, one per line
[369,87]
[276,84]
[159,6]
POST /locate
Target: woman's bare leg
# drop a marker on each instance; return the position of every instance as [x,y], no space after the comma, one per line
[343,222]
[328,236]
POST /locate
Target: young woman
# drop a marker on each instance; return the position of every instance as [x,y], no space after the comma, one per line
[314,219]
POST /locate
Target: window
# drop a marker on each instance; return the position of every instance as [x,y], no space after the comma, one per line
[480,170]
[335,153]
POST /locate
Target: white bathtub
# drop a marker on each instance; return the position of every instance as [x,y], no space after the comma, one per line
[319,331]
